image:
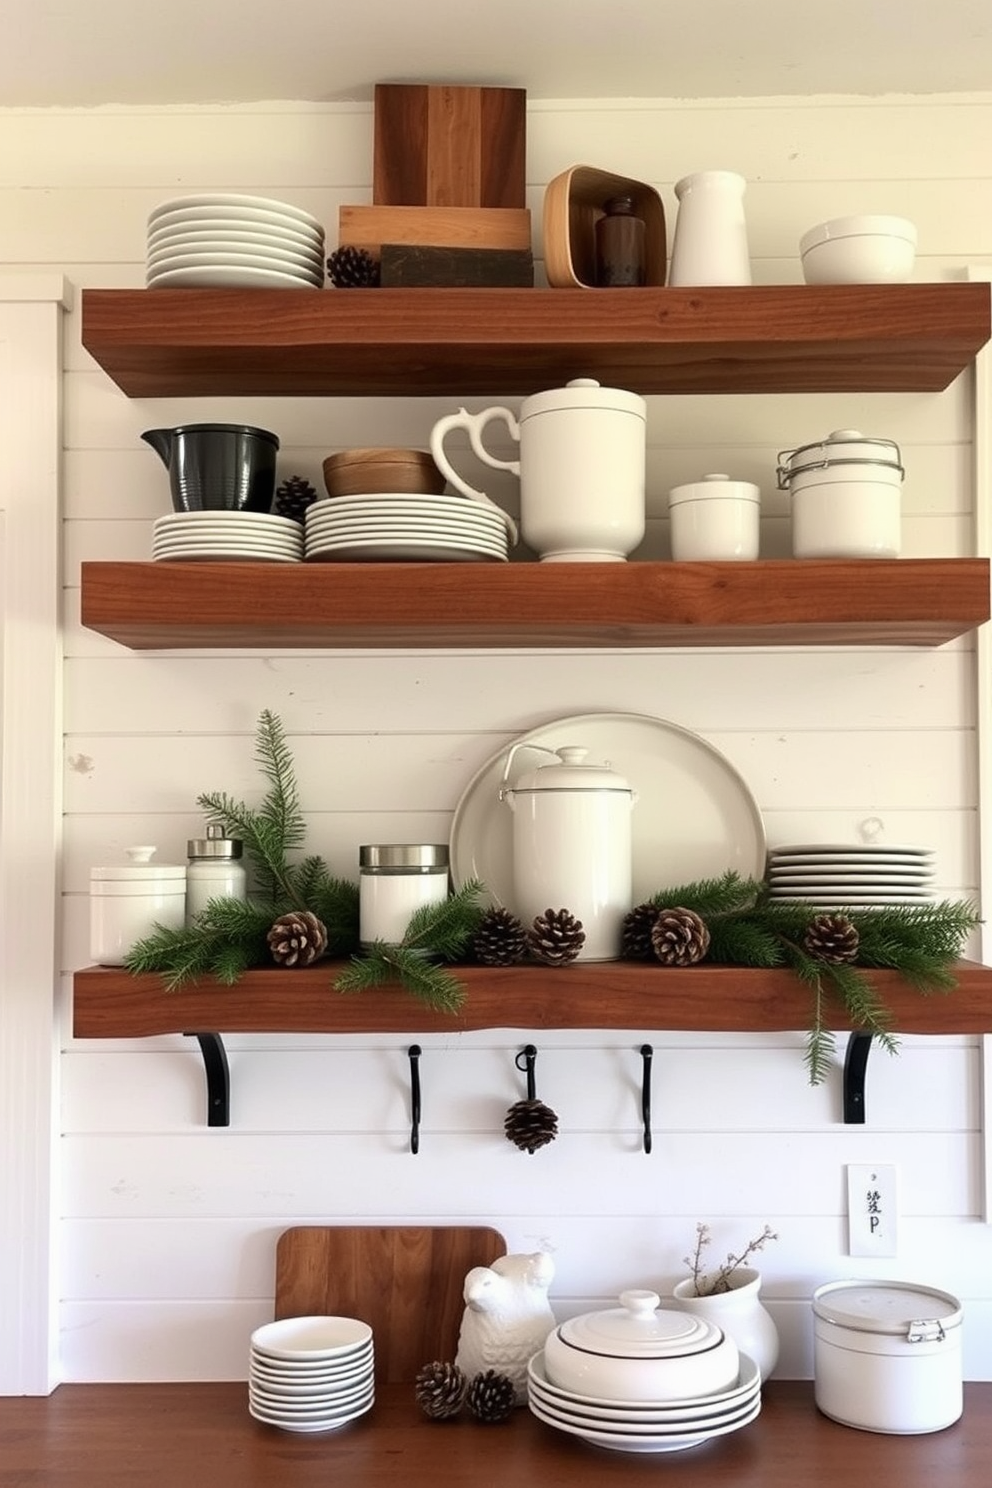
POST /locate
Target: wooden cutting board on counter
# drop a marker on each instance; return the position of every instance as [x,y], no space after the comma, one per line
[406,1281]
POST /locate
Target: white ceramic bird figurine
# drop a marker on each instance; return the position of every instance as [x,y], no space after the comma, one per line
[507,1317]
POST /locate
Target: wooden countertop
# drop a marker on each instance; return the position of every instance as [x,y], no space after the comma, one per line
[201,1436]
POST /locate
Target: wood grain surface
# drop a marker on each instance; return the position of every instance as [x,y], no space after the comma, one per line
[406,1281]
[449,146]
[437,226]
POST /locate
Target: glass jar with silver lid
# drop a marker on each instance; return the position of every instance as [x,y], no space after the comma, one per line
[395,880]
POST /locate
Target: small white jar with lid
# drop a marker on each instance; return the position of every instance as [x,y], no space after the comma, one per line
[130,901]
[214,870]
[715,519]
[395,880]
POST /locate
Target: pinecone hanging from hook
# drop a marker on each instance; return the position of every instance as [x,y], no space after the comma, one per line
[679,937]
[500,939]
[529,1124]
[832,938]
[556,937]
[297,938]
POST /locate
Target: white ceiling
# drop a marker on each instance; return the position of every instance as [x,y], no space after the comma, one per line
[91,52]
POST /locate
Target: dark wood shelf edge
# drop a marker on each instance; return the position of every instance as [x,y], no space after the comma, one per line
[110,1003]
[911,602]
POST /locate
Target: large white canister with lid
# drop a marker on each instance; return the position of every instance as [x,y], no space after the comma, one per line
[128,900]
[887,1356]
[846,496]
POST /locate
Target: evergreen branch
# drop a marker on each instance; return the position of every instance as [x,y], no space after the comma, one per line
[446,929]
[743,942]
[227,938]
[712,896]
[381,963]
[281,805]
[335,902]
[263,844]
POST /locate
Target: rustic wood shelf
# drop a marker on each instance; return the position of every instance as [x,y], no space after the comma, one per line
[110,1003]
[464,342]
[783,602]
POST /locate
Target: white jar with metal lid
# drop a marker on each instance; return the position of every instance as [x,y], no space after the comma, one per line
[394,881]
[128,902]
[887,1356]
[715,519]
[214,870]
[846,496]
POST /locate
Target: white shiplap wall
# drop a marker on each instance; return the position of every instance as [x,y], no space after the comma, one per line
[168,1230]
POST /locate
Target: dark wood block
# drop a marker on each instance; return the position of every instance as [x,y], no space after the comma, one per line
[407,266]
[442,146]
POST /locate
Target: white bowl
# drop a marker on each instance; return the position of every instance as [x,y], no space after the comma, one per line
[310,1338]
[636,1353]
[859,250]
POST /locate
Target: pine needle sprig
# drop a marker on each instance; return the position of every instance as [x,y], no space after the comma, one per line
[224,940]
[709,897]
[335,902]
[380,963]
[447,929]
[743,942]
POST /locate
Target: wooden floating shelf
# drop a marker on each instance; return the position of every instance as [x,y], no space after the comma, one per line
[110,1003]
[428,342]
[779,602]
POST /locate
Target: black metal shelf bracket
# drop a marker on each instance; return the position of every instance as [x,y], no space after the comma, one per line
[218,1077]
[855,1070]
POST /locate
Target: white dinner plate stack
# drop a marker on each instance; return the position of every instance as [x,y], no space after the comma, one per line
[311,1373]
[235,242]
[851,875]
[383,529]
[211,536]
[623,1426]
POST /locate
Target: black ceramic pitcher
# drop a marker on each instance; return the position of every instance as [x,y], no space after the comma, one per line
[218,467]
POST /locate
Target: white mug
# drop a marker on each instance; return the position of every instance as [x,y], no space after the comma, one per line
[581,469]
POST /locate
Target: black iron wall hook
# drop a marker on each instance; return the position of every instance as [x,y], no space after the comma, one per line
[525,1060]
[647,1055]
[413,1053]
[529,1124]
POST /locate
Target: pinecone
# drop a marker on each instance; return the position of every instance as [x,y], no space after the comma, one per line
[500,939]
[440,1389]
[297,938]
[293,497]
[679,937]
[556,937]
[491,1397]
[530,1124]
[635,933]
[353,268]
[832,938]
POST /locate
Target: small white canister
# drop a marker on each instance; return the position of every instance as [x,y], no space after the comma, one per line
[395,880]
[846,496]
[887,1356]
[715,519]
[128,901]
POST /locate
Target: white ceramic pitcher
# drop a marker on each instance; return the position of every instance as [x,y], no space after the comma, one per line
[572,845]
[581,468]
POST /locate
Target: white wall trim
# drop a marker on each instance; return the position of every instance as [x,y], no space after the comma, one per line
[31,307]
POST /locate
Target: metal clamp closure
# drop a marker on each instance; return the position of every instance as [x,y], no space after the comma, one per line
[925,1330]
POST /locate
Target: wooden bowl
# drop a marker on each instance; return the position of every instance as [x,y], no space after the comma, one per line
[359,472]
[573,202]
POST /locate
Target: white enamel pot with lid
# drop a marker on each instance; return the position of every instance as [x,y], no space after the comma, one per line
[572,846]
[846,496]
[642,1353]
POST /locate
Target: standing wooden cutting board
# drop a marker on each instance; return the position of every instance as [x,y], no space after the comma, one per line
[406,1281]
[443,146]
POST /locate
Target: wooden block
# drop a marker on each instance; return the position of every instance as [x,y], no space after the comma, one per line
[434,227]
[441,146]
[409,266]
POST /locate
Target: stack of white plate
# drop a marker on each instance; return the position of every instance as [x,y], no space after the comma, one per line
[379,528]
[851,875]
[233,241]
[208,536]
[311,1373]
[648,1427]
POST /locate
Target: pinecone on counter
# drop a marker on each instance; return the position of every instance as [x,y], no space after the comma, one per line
[556,937]
[293,497]
[500,939]
[635,933]
[832,938]
[440,1389]
[679,937]
[491,1397]
[530,1124]
[297,938]
[353,268]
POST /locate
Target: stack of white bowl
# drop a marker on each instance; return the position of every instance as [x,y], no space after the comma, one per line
[233,241]
[639,1379]
[209,536]
[311,1373]
[384,527]
[845,875]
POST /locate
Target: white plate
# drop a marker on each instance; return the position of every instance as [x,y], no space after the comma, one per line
[226,550]
[648,1426]
[279,264]
[396,533]
[229,200]
[336,1402]
[400,527]
[291,1390]
[192,225]
[228,554]
[225,276]
[407,552]
[311,1338]
[374,504]
[620,1442]
[234,519]
[286,250]
[847,881]
[852,901]
[827,850]
[748,1384]
[687,1414]
[327,1423]
[694,817]
[252,537]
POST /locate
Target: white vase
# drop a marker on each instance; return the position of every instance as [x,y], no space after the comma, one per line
[710,242]
[740,1313]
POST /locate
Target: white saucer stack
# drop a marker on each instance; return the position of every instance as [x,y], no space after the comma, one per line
[210,536]
[661,1426]
[851,875]
[379,528]
[311,1373]
[233,241]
